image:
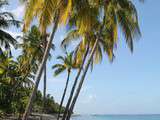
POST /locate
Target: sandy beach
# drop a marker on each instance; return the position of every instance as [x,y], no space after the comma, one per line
[35,116]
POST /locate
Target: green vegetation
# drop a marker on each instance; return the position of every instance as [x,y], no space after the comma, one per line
[17,75]
[94,24]
[16,85]
[17,80]
[52,106]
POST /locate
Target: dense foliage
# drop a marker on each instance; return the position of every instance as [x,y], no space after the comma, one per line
[17,74]
[15,90]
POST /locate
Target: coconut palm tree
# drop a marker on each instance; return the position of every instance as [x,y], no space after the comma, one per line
[116,13]
[6,20]
[50,11]
[67,64]
[83,49]
[40,70]
[87,33]
[33,48]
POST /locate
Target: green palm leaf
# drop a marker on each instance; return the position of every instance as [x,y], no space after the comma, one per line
[58,71]
[72,35]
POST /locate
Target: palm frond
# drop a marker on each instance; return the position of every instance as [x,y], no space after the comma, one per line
[57,66]
[47,16]
[32,9]
[7,19]
[58,71]
[129,28]
[61,58]
[65,12]
[72,35]
[6,39]
[98,55]
[128,21]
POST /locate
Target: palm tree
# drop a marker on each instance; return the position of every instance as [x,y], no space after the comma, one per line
[84,17]
[40,70]
[6,20]
[122,13]
[67,64]
[33,48]
[83,49]
[88,39]
[50,11]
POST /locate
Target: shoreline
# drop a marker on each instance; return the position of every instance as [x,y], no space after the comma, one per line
[34,116]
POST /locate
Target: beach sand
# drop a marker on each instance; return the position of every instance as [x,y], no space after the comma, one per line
[35,116]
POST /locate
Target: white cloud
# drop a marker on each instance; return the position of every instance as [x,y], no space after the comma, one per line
[19,11]
[86,88]
[87,99]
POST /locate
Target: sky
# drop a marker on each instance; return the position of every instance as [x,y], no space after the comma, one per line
[129,85]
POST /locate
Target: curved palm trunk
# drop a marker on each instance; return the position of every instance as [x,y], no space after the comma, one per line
[82,80]
[40,69]
[74,85]
[64,93]
[44,88]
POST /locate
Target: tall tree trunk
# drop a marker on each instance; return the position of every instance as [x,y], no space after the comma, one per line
[44,88]
[40,69]
[74,85]
[45,77]
[82,80]
[64,93]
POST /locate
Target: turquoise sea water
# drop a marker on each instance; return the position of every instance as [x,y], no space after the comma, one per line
[116,117]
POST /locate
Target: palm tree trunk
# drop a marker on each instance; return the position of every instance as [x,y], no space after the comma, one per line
[82,80]
[75,83]
[64,93]
[44,88]
[40,69]
[45,77]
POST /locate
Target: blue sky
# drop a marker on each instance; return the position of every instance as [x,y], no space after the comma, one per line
[130,85]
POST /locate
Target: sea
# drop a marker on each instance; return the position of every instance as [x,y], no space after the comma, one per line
[116,117]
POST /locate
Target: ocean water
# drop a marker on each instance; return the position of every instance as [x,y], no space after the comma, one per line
[116,117]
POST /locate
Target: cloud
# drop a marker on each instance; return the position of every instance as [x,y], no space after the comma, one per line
[86,88]
[87,99]
[18,12]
